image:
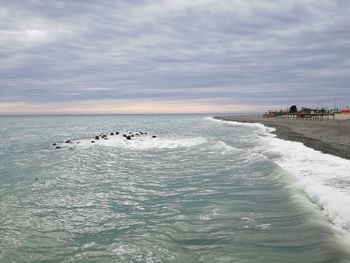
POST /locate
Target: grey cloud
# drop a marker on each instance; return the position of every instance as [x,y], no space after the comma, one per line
[253,52]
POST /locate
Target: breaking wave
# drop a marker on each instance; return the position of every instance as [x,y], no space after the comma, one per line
[138,143]
[323,177]
[261,128]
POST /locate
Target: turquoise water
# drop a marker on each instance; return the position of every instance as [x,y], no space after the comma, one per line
[202,191]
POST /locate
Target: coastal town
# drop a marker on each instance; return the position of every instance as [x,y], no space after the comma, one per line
[305,113]
[323,129]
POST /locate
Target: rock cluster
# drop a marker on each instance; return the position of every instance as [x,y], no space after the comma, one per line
[127,135]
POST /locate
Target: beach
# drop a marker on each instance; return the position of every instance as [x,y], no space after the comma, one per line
[328,136]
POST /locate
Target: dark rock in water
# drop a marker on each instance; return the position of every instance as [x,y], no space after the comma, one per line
[132,135]
[141,133]
[106,138]
[128,137]
[154,136]
[97,137]
[145,133]
[112,133]
[36,178]
[116,133]
[137,134]
[78,142]
[69,141]
[130,132]
[58,147]
[54,144]
[92,141]
[124,135]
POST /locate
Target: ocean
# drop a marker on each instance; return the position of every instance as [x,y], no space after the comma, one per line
[202,190]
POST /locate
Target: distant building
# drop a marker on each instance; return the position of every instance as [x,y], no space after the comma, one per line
[293,109]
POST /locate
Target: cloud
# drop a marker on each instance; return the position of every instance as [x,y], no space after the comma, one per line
[126,107]
[234,51]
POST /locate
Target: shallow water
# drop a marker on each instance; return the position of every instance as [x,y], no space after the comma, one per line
[202,191]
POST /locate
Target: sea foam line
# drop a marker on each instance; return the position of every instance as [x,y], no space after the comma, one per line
[261,127]
[323,177]
[140,143]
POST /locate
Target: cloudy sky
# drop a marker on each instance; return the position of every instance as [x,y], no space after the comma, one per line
[172,56]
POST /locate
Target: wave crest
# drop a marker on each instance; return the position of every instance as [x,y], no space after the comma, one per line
[140,143]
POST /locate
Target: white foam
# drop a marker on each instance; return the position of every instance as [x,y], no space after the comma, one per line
[143,142]
[224,148]
[210,214]
[325,178]
[261,128]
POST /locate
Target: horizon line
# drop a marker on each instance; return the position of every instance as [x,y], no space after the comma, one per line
[122,114]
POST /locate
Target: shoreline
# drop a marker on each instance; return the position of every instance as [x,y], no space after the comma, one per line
[328,136]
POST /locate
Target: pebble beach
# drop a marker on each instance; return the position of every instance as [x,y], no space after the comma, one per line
[327,136]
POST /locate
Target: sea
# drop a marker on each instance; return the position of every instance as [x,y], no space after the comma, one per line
[201,190]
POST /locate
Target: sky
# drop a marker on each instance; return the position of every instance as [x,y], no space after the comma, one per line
[172,56]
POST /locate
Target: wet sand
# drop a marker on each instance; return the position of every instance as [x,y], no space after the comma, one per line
[328,136]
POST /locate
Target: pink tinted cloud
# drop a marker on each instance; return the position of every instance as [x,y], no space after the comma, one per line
[126,107]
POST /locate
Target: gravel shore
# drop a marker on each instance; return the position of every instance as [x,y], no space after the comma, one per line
[328,136]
